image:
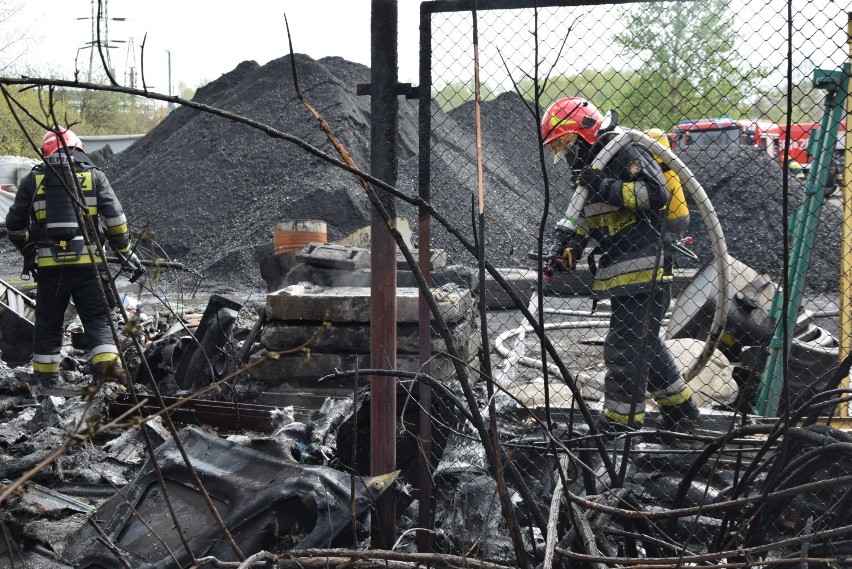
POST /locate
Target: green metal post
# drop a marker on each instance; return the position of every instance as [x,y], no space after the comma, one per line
[803,225]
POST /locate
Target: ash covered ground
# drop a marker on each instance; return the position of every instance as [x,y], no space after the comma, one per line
[212,191]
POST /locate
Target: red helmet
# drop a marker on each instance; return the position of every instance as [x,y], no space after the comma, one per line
[571,115]
[51,143]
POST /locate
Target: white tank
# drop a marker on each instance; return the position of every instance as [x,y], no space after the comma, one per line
[9,170]
[14,168]
[24,168]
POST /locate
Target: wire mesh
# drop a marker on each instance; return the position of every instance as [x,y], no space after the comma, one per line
[738,89]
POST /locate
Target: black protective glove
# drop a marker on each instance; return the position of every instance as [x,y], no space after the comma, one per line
[20,242]
[592,178]
[134,262]
[561,259]
[30,269]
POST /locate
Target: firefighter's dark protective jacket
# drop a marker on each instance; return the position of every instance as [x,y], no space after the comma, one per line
[626,216]
[42,219]
[43,223]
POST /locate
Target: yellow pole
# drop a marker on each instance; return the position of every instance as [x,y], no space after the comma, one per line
[846,242]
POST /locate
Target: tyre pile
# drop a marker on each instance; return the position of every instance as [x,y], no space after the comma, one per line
[212,190]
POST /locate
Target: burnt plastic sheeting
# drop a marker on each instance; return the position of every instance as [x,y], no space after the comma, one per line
[218,318]
[163,356]
[467,518]
[267,504]
[16,339]
[211,362]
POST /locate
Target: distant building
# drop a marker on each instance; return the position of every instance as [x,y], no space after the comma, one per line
[116,142]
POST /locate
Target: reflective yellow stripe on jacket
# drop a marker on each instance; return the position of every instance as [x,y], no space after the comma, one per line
[85,180]
[613,218]
[636,271]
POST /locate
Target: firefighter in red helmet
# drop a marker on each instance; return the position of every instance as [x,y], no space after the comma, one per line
[53,140]
[44,224]
[624,214]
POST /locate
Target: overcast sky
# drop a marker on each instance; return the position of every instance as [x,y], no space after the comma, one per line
[206,38]
[209,38]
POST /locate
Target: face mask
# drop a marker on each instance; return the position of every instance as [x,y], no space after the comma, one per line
[563,149]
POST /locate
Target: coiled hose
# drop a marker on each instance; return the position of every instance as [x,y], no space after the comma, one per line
[714,230]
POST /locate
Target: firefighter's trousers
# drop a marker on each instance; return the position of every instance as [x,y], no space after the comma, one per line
[637,360]
[56,287]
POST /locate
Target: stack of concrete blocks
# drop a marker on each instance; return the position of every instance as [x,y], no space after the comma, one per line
[312,331]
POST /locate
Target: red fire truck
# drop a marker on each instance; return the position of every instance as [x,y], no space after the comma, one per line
[799,135]
[723,130]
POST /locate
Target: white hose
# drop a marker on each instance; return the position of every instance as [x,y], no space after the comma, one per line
[711,222]
[574,211]
[717,241]
[524,328]
[521,331]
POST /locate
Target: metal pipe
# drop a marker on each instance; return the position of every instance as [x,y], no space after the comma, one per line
[802,232]
[384,109]
[424,330]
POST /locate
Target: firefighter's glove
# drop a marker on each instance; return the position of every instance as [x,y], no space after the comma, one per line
[592,178]
[563,261]
[563,254]
[561,258]
[135,263]
[20,242]
[30,270]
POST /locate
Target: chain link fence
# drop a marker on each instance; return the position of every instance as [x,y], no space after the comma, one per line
[738,89]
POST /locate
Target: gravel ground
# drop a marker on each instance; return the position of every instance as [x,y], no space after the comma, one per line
[210,191]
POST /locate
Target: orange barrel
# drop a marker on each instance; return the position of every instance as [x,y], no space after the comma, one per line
[291,236]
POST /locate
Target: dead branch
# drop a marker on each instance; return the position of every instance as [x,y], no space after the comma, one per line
[341,555]
[108,543]
[555,502]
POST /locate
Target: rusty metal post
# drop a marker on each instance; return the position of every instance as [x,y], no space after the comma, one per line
[384,109]
[424,239]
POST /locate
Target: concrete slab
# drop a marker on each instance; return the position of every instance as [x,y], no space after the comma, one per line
[437,259]
[352,304]
[301,370]
[334,256]
[321,276]
[578,283]
[355,338]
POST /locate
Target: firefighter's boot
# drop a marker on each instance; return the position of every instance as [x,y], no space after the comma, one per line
[616,435]
[110,371]
[681,418]
[45,379]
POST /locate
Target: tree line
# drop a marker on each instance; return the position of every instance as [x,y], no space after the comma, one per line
[87,112]
[691,67]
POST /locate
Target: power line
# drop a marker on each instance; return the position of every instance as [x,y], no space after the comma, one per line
[100,19]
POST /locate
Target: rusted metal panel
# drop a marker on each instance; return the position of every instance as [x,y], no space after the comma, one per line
[231,416]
